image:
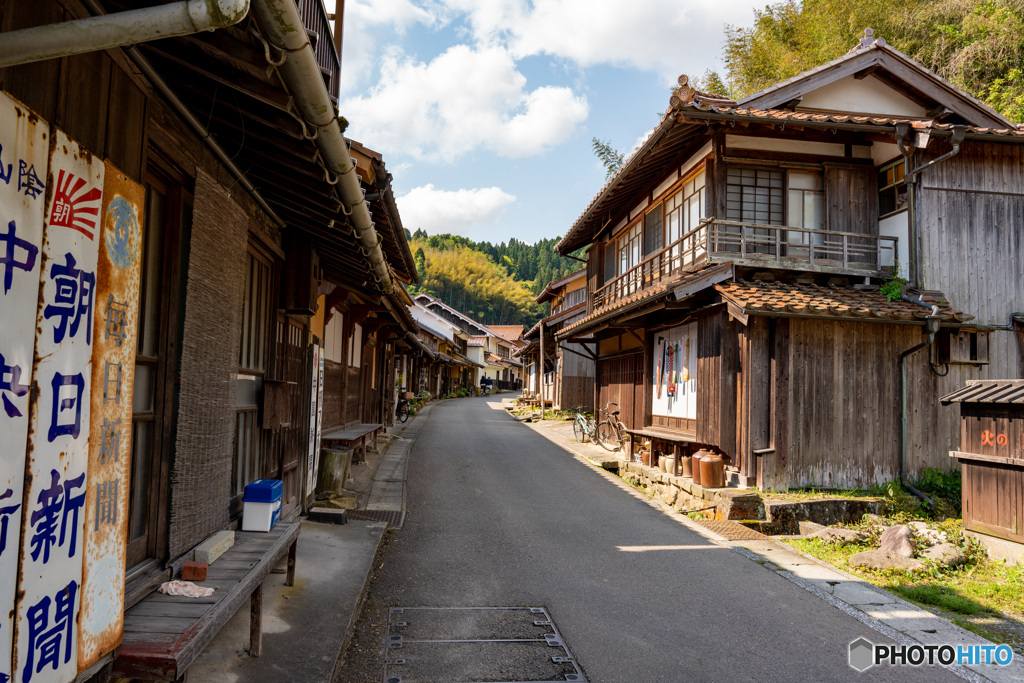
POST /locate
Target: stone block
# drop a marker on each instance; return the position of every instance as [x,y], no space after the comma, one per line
[209,550]
[880,559]
[897,541]
[739,504]
[808,528]
[328,515]
[696,491]
[786,515]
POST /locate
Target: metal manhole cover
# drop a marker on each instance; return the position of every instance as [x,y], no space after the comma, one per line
[476,645]
[732,530]
[392,517]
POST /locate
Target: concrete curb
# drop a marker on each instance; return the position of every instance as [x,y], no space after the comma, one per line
[1013,673]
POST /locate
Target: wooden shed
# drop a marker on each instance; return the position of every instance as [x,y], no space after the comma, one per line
[991,456]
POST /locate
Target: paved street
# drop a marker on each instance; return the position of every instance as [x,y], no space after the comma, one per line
[498,516]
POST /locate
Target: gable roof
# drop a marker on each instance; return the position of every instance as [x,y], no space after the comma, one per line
[877,59]
[510,333]
[549,288]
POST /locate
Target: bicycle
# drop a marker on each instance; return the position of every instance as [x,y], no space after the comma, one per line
[611,433]
[584,425]
[402,410]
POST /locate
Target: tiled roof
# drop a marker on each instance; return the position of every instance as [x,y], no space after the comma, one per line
[607,311]
[493,358]
[810,117]
[988,391]
[507,332]
[476,341]
[815,300]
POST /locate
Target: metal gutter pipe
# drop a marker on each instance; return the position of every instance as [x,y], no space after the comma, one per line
[107,31]
[161,85]
[932,327]
[910,176]
[281,25]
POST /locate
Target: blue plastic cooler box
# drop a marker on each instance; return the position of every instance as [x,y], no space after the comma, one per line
[261,506]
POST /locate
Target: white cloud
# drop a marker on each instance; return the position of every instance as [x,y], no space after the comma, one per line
[465,99]
[665,36]
[456,212]
[364,20]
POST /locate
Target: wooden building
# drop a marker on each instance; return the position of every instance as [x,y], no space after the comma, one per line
[490,350]
[735,263]
[254,265]
[567,380]
[991,458]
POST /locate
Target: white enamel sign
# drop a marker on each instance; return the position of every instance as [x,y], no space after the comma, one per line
[52,526]
[24,154]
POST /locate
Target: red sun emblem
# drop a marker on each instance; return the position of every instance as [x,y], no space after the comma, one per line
[75,207]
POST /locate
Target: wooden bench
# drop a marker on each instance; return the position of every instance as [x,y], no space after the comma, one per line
[351,436]
[163,634]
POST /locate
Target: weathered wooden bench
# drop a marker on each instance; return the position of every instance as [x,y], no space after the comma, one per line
[163,634]
[353,436]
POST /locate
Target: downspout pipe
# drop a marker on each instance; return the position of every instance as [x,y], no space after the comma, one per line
[108,31]
[932,328]
[281,25]
[910,176]
[161,86]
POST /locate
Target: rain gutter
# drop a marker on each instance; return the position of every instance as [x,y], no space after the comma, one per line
[161,86]
[105,31]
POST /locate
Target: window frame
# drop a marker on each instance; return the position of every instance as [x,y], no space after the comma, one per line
[895,185]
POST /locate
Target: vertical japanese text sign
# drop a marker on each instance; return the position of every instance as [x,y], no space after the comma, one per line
[319,412]
[50,580]
[110,425]
[24,152]
[314,389]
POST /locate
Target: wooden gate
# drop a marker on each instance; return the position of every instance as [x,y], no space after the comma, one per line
[621,380]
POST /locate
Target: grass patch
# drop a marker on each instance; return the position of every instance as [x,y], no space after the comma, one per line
[943,597]
[983,596]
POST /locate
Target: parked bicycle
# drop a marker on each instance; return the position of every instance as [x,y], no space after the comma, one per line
[584,426]
[402,410]
[611,432]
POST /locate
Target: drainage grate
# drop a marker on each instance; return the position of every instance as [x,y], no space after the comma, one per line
[732,530]
[393,517]
[476,645]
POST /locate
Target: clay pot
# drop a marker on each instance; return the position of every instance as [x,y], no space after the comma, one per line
[695,462]
[645,458]
[687,465]
[669,463]
[712,471]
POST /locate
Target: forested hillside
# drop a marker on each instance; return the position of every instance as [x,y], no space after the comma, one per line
[978,45]
[495,284]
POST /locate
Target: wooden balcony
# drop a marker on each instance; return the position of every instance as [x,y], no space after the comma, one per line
[318,28]
[754,245]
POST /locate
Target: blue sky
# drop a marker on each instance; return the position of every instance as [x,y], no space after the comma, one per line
[484,110]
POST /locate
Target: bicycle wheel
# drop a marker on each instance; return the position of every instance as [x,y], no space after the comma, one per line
[402,414]
[608,436]
[579,431]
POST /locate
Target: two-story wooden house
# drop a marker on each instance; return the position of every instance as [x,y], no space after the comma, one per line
[567,379]
[737,261]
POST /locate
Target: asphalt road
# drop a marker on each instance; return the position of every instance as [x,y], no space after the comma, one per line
[499,516]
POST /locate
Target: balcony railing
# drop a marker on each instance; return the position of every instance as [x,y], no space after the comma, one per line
[318,27]
[754,244]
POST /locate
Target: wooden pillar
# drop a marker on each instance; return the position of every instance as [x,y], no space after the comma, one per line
[256,621]
[289,577]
